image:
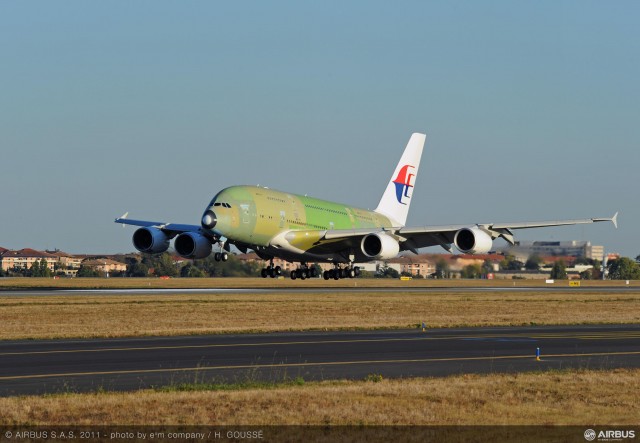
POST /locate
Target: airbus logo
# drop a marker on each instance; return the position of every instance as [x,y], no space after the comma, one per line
[609,435]
[403,183]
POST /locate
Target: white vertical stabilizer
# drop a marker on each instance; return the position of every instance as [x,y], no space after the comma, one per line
[397,196]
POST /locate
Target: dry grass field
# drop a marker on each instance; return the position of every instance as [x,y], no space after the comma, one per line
[557,398]
[65,316]
[257,283]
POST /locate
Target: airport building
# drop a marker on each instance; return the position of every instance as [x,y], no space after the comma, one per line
[581,249]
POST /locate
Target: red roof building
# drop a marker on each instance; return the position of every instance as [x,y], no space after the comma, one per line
[25,258]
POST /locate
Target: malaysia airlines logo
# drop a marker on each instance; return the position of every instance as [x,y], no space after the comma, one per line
[403,183]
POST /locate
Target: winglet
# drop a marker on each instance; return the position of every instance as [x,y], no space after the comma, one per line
[122,217]
[614,220]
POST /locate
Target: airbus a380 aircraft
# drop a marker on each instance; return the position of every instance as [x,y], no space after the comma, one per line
[302,229]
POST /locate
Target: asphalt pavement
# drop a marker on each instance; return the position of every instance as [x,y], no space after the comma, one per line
[52,366]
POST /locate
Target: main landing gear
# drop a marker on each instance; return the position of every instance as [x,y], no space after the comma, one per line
[271,271]
[304,272]
[338,273]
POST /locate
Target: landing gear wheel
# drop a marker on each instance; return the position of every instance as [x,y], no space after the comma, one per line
[357,271]
[278,270]
[293,275]
[326,275]
[224,256]
[336,274]
[264,273]
[351,273]
[216,256]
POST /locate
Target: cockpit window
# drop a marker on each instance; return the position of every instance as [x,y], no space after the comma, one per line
[224,205]
[217,204]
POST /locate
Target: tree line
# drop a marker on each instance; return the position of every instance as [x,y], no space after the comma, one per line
[623,268]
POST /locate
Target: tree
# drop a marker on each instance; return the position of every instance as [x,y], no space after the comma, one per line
[623,268]
[471,271]
[88,272]
[387,272]
[487,267]
[137,270]
[442,268]
[559,270]
[586,275]
[40,268]
[162,264]
[191,271]
[509,263]
[533,262]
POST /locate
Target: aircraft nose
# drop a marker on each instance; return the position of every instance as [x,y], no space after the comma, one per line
[209,220]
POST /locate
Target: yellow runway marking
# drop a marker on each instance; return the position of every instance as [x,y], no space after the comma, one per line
[591,336]
[295,365]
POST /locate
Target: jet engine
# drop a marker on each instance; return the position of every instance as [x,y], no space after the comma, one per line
[151,240]
[192,245]
[379,246]
[473,241]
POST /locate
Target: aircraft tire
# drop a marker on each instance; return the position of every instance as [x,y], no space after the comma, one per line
[336,274]
[278,270]
[357,271]
[216,256]
[224,256]
[351,273]
[263,273]
[293,275]
[326,275]
[303,275]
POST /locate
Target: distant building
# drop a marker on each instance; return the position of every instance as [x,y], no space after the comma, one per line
[415,265]
[66,261]
[582,249]
[25,258]
[105,265]
[252,257]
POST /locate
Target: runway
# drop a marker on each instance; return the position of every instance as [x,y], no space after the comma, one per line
[48,292]
[38,367]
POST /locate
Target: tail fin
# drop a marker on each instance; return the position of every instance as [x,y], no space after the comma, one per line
[397,196]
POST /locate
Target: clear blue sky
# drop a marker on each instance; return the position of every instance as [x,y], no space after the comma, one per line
[531,109]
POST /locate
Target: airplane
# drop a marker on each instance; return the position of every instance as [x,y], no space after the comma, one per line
[304,230]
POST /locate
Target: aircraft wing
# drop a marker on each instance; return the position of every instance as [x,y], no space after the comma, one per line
[413,238]
[169,228]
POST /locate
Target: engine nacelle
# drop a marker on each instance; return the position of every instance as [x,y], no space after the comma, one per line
[151,240]
[379,246]
[192,245]
[473,241]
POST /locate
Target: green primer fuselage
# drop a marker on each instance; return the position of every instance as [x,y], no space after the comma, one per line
[255,216]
